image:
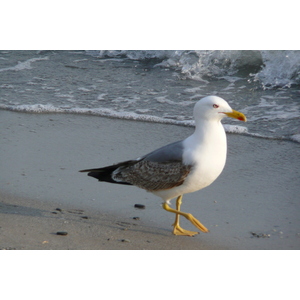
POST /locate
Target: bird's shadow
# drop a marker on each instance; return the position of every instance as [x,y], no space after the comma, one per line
[13,209]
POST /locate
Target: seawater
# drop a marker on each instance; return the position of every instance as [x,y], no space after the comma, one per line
[157,86]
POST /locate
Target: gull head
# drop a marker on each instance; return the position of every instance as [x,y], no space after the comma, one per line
[215,108]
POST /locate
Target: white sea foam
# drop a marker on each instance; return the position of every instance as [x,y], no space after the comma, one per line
[24,65]
[141,116]
[235,129]
[34,108]
[296,138]
[49,108]
[281,69]
[101,96]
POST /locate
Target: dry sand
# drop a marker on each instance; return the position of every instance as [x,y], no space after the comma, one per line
[254,204]
[35,226]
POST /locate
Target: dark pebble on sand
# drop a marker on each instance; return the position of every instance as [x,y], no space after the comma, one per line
[61,233]
[136,218]
[125,241]
[140,206]
[260,235]
[84,217]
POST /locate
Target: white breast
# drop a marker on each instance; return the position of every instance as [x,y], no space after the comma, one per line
[206,151]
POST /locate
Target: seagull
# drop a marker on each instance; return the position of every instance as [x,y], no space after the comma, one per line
[181,167]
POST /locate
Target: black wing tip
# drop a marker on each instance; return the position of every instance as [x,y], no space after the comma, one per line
[103,175]
[90,170]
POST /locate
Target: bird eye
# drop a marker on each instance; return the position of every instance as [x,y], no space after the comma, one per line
[215,106]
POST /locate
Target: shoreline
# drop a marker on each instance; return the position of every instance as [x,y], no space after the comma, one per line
[252,205]
[229,128]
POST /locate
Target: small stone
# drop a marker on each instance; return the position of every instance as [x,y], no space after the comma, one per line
[261,235]
[136,218]
[125,241]
[62,233]
[58,209]
[84,217]
[140,206]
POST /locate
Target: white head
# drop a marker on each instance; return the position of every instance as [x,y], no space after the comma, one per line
[215,108]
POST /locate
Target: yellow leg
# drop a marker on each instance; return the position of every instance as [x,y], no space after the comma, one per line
[177,216]
[177,229]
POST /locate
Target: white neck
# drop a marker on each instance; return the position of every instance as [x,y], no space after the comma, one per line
[208,131]
[209,137]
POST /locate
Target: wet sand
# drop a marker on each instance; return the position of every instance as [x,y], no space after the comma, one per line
[254,204]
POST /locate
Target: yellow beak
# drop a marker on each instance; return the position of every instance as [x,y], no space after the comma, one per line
[237,115]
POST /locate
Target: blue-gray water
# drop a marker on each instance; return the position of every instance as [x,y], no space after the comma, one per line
[157,86]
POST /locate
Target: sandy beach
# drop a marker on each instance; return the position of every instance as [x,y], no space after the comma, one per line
[254,204]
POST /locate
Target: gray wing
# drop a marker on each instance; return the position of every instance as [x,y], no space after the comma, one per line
[169,153]
[159,170]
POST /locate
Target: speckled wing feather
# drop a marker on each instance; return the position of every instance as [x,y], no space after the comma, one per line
[153,176]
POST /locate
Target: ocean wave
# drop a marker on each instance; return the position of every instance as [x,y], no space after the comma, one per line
[280,69]
[271,69]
